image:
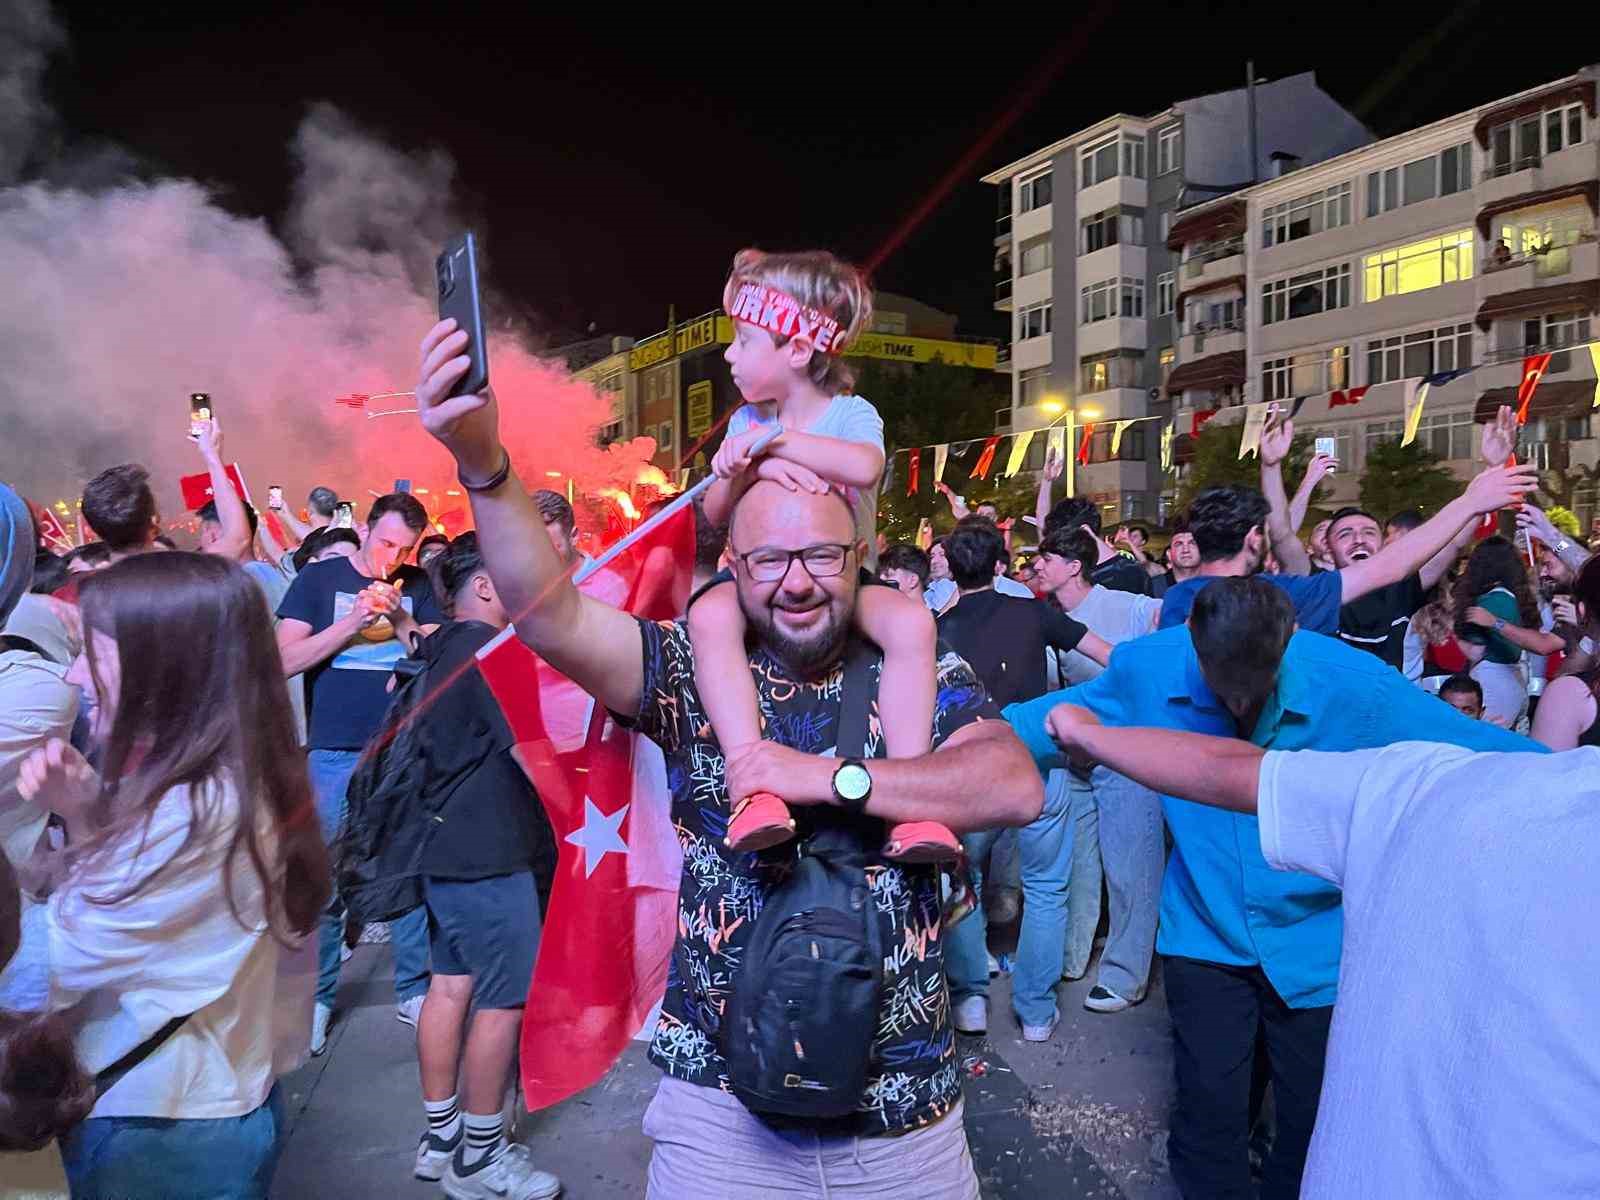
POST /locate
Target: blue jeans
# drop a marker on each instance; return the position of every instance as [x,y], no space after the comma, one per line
[408,936]
[1083,900]
[1046,852]
[1134,853]
[227,1158]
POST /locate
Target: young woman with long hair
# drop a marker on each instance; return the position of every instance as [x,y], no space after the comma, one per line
[1497,618]
[1568,715]
[192,873]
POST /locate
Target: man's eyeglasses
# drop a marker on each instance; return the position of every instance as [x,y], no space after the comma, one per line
[768,564]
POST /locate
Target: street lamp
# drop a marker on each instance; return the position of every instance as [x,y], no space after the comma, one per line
[1089,413]
[1053,407]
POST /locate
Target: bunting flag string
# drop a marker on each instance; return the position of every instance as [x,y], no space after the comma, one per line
[986,459]
[1594,355]
[1255,420]
[1019,452]
[1083,444]
[1416,395]
[1116,437]
[1353,395]
[941,454]
[1056,443]
[913,472]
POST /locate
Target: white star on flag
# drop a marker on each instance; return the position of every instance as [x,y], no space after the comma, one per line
[599,836]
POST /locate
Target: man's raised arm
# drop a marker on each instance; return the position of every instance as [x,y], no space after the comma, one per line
[594,645]
[1221,772]
[1489,491]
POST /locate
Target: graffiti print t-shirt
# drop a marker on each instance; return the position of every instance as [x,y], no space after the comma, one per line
[913,1077]
[348,693]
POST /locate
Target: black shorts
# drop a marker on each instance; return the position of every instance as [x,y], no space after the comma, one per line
[488,929]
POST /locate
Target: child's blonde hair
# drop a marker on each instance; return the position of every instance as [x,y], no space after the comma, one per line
[819,280]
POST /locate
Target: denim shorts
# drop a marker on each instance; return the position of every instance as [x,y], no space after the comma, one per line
[488,929]
[225,1158]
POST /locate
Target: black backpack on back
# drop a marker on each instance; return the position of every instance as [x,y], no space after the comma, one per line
[798,1032]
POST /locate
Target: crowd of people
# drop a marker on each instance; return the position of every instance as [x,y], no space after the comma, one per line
[1329,794]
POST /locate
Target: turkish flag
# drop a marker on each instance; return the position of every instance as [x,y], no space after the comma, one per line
[985,459]
[612,917]
[197,488]
[1533,369]
[52,533]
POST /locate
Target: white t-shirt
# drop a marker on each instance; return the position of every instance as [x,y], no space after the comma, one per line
[1114,616]
[176,949]
[1464,1058]
[850,419]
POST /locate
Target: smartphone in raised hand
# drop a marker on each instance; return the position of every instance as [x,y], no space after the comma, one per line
[460,299]
[344,515]
[1328,447]
[199,413]
[275,496]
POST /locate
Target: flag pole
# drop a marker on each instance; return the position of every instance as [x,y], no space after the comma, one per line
[611,552]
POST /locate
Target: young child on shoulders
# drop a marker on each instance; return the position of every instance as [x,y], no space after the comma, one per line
[793,314]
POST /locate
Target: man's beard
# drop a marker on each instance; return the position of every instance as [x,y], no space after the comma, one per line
[806,657]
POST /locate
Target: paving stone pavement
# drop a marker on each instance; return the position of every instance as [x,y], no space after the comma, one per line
[1081,1116]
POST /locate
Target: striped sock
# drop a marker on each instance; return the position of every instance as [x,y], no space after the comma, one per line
[486,1137]
[444,1119]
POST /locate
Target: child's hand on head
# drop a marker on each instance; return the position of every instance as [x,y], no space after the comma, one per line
[791,475]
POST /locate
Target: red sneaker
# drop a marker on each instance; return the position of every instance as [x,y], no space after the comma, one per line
[922,842]
[759,821]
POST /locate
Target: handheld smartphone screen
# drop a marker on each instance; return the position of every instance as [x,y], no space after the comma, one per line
[344,516]
[1329,447]
[199,412]
[274,496]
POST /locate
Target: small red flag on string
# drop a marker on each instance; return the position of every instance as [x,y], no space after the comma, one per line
[1347,395]
[914,473]
[1198,421]
[986,459]
[1083,442]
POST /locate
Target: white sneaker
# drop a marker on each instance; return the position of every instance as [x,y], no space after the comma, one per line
[1041,1033]
[511,1176]
[433,1157]
[1104,1000]
[407,1011]
[994,966]
[320,1016]
[971,1015]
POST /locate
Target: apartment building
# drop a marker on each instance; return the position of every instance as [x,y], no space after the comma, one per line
[1084,265]
[1467,242]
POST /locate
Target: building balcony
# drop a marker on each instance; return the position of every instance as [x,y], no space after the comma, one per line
[1002,294]
[1109,262]
[1109,193]
[1213,373]
[1033,223]
[1032,352]
[1211,261]
[1213,224]
[1113,333]
[1577,293]
[1203,339]
[1570,167]
[1572,256]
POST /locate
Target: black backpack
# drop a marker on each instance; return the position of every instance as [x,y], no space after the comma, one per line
[399,787]
[801,1020]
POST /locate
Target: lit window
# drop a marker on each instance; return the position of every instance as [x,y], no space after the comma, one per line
[1167,359]
[1114,369]
[1418,266]
[1308,374]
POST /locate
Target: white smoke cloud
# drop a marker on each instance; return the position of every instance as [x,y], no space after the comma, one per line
[120,301]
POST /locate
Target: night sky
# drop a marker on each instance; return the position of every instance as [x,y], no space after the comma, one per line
[616,163]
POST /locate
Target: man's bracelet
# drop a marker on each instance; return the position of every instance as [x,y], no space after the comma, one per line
[494,481]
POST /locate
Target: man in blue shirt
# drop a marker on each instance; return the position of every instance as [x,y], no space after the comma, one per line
[1229,525]
[1246,948]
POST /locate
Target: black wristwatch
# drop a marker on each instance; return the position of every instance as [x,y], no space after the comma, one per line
[852,785]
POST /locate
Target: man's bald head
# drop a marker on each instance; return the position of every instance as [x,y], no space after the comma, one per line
[767,507]
[802,618]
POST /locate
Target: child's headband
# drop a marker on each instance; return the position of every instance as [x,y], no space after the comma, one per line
[780,313]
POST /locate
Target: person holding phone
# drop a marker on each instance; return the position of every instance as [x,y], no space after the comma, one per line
[345,622]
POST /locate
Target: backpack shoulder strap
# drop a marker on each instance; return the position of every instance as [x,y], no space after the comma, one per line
[855,698]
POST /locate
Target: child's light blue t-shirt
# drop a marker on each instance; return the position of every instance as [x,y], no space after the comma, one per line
[850,419]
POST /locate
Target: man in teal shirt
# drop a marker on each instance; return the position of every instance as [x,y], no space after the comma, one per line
[1245,948]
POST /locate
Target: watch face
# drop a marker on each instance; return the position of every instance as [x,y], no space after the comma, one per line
[852,782]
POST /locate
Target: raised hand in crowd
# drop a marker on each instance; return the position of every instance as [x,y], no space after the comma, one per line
[1499,437]
[469,425]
